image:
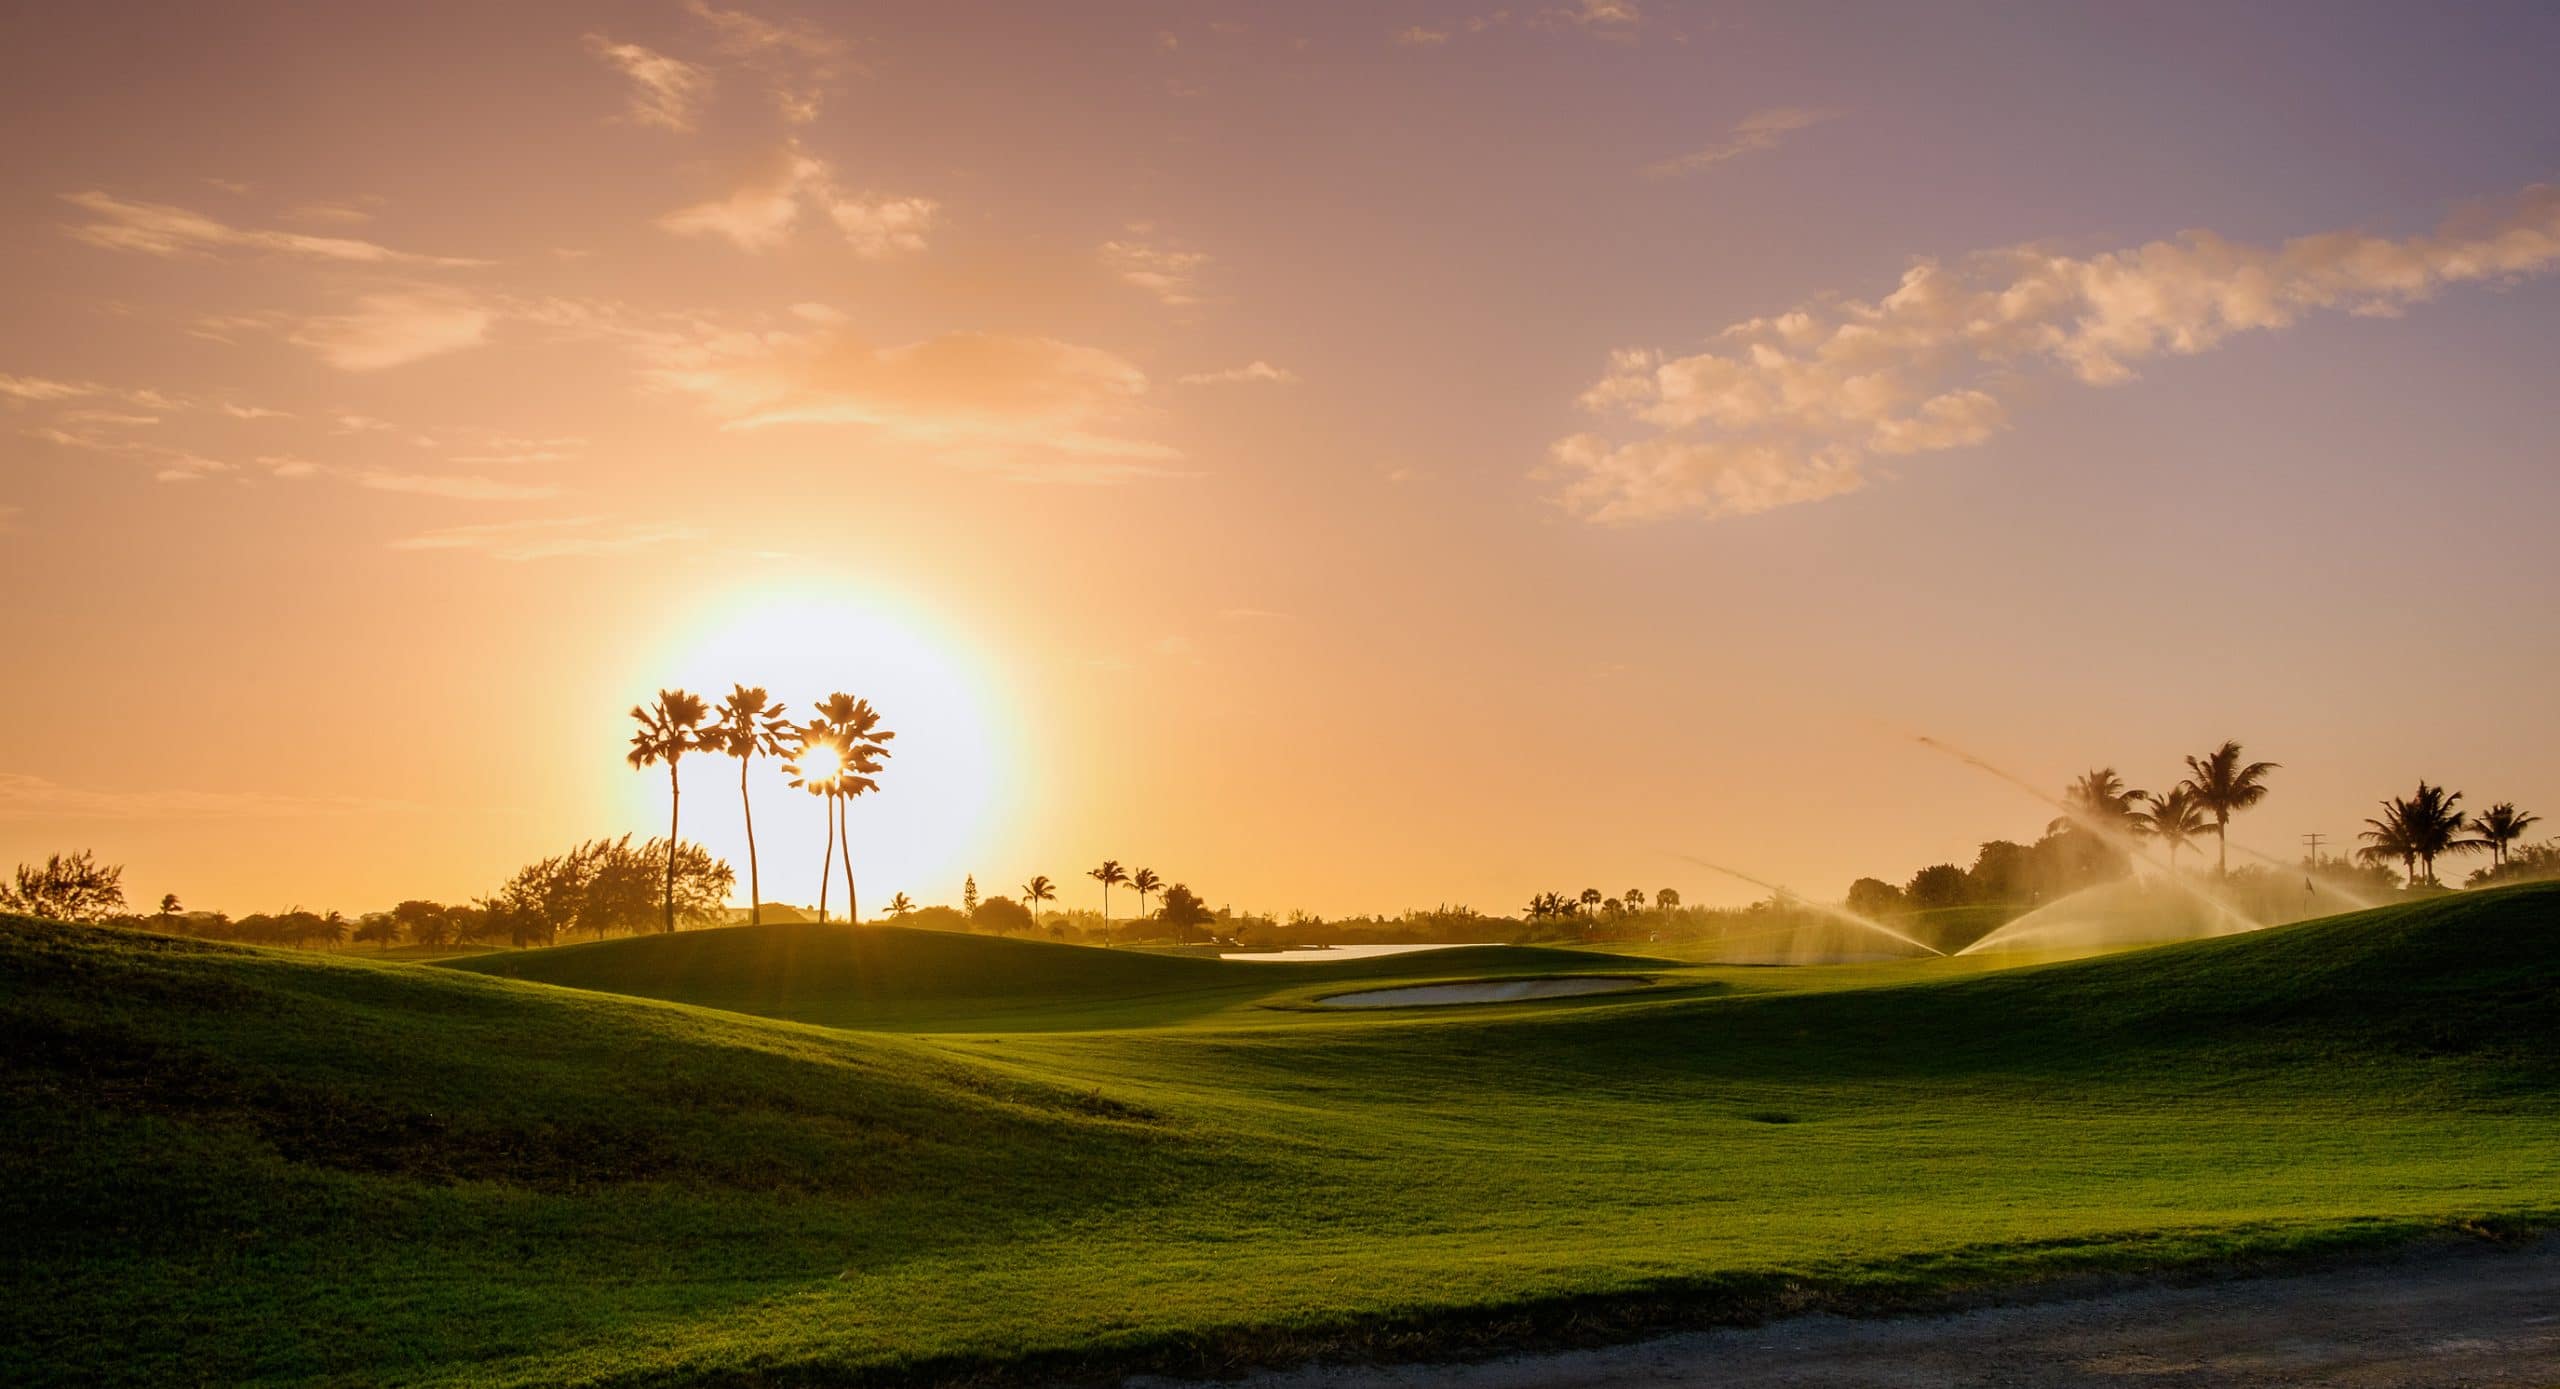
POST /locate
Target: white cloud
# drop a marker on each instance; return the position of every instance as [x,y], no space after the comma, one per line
[1167,272]
[1788,408]
[1253,371]
[1762,130]
[162,230]
[665,92]
[396,327]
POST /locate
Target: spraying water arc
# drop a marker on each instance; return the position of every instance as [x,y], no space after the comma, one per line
[2131,847]
[1841,914]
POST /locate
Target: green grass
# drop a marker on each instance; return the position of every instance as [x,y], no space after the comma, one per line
[237,1165]
[896,979]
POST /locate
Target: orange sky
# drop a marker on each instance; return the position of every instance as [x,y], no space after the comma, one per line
[1345,458]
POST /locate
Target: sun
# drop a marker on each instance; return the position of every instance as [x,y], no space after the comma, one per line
[934,817]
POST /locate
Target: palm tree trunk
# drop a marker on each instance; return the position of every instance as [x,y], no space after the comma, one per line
[826,859]
[844,845]
[2221,847]
[675,810]
[755,888]
[1106,916]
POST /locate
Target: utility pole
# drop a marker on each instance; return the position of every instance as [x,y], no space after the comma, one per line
[2312,842]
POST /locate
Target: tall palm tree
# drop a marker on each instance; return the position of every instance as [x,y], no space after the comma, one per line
[2100,803]
[749,726]
[1635,899]
[1591,900]
[1109,873]
[2224,787]
[1144,882]
[1666,899]
[900,905]
[668,730]
[2501,825]
[1035,892]
[2175,818]
[2423,827]
[2388,838]
[817,761]
[864,744]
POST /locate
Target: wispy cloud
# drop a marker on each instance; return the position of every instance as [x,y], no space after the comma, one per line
[1606,19]
[446,486]
[25,797]
[760,215]
[566,537]
[1761,130]
[160,229]
[1791,408]
[1168,272]
[396,327]
[991,399]
[665,92]
[798,62]
[1256,371]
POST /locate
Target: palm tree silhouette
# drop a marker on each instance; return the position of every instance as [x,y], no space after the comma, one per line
[2224,787]
[1106,875]
[2100,803]
[1666,899]
[668,730]
[863,743]
[2176,818]
[2388,838]
[817,760]
[749,726]
[2423,827]
[2501,825]
[1591,900]
[1144,882]
[900,906]
[1035,892]
[1635,899]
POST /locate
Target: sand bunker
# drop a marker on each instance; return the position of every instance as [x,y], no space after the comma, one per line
[1483,991]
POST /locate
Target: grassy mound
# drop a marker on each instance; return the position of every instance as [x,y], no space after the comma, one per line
[250,1166]
[893,978]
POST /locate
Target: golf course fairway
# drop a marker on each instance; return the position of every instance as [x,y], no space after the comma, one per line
[803,1155]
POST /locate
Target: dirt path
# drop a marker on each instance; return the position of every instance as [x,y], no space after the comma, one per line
[2472,1317]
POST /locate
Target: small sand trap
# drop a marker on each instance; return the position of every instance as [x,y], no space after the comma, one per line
[1482,991]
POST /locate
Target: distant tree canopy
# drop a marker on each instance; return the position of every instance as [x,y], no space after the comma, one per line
[1938,885]
[69,887]
[1876,897]
[1002,915]
[1183,910]
[607,885]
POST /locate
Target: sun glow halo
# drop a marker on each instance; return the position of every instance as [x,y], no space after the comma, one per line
[934,814]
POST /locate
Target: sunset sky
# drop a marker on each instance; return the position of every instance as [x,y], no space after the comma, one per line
[1346,458]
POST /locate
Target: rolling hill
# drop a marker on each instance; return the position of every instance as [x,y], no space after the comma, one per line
[240,1165]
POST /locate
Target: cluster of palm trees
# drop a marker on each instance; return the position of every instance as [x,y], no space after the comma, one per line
[2412,830]
[2418,829]
[1144,882]
[2217,786]
[835,757]
[1592,902]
